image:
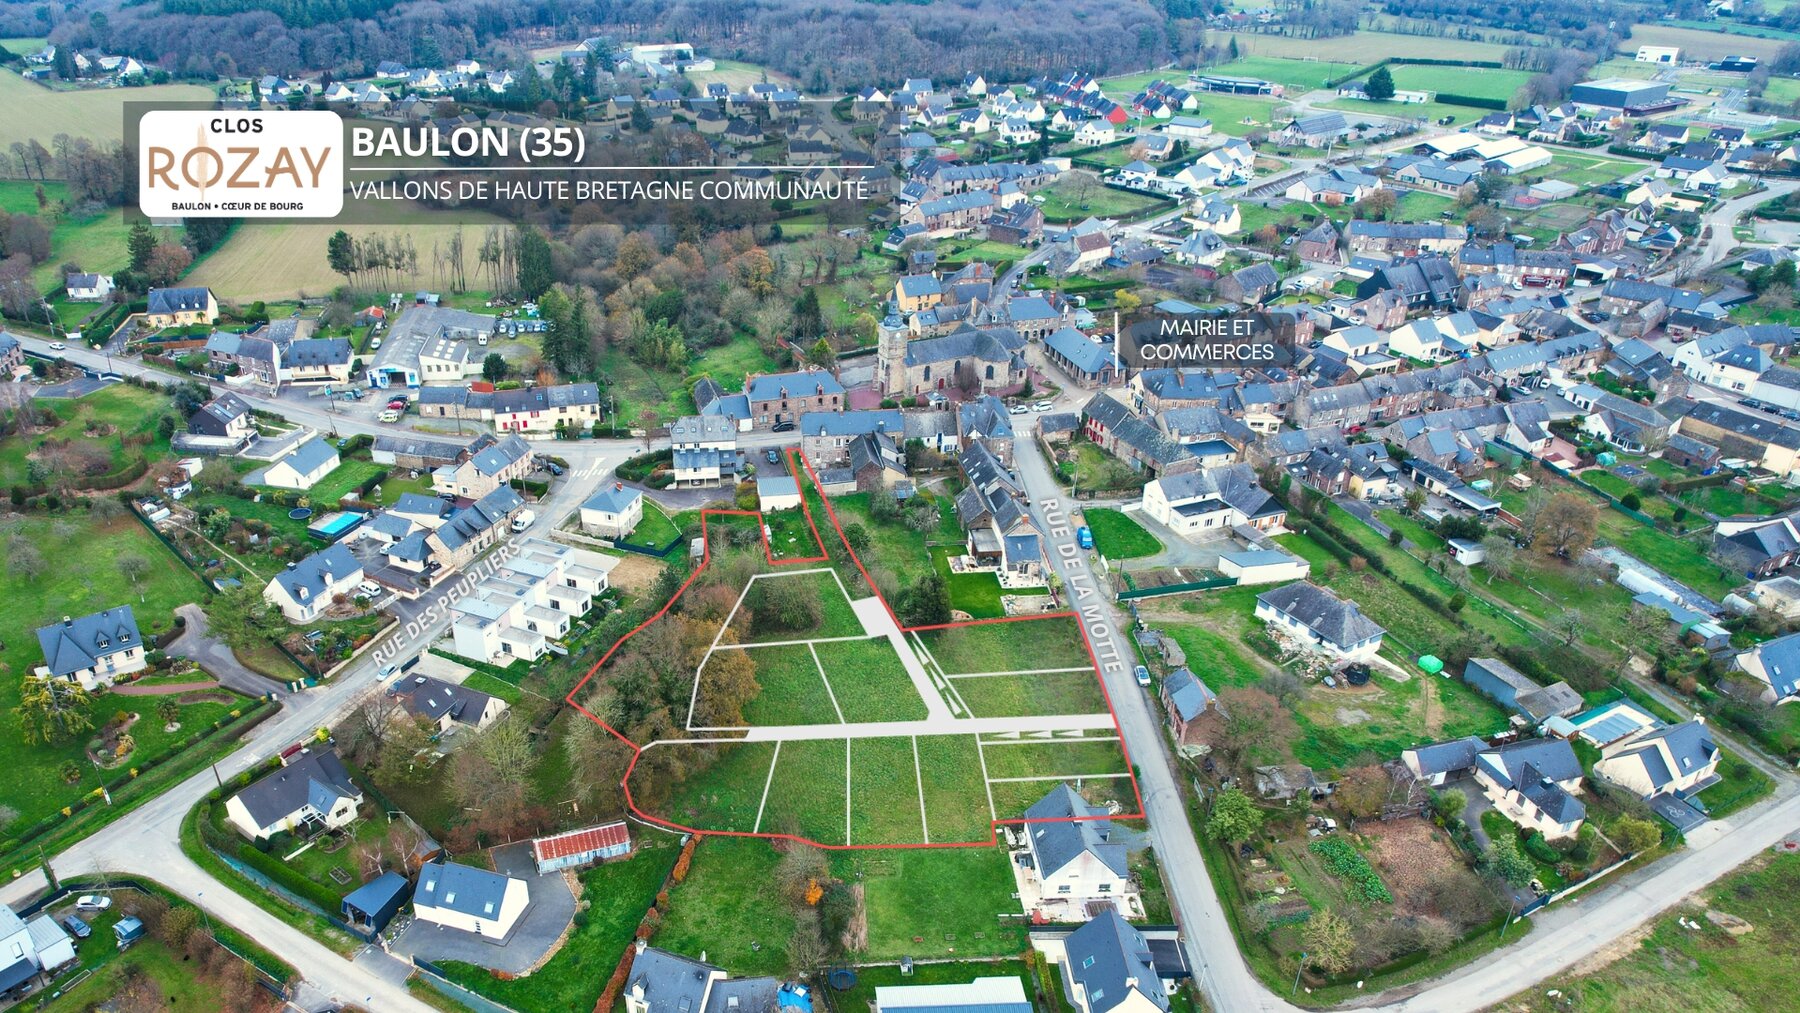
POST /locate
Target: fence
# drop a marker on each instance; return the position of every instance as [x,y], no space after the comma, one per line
[1194,585]
[432,975]
[1636,515]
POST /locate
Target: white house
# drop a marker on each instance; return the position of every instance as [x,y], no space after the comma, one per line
[30,948]
[1774,663]
[613,511]
[485,903]
[88,287]
[1533,782]
[1073,858]
[528,601]
[1108,967]
[306,589]
[1675,760]
[304,466]
[1215,213]
[311,792]
[1209,503]
[1316,617]
[95,650]
[703,450]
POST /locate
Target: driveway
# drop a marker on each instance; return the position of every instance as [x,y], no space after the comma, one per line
[197,644]
[534,938]
[73,388]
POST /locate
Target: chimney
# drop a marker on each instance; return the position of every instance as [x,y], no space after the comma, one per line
[618,486]
[67,621]
[643,943]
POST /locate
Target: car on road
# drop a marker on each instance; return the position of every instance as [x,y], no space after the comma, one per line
[783,427]
[1042,406]
[375,344]
[1084,537]
[1019,409]
[1143,675]
[77,928]
[555,469]
[92,902]
[391,415]
[57,346]
[387,672]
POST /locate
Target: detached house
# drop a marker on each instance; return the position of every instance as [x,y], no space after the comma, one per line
[94,651]
[779,399]
[306,589]
[1320,619]
[1186,699]
[88,287]
[1774,663]
[1073,856]
[312,792]
[613,511]
[1108,965]
[1676,761]
[179,307]
[1210,502]
[477,901]
[304,466]
[225,417]
[446,705]
[1533,783]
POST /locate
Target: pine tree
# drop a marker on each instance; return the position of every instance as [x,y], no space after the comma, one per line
[139,243]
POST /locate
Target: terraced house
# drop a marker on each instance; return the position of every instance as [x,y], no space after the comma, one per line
[540,412]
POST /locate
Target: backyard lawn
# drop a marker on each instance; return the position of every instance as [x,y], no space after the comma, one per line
[654,529]
[1077,196]
[119,422]
[724,907]
[1118,536]
[977,594]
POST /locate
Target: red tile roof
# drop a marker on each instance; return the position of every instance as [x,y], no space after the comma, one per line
[580,842]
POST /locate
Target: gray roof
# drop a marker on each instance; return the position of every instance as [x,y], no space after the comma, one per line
[1187,693]
[567,395]
[226,407]
[310,455]
[670,983]
[613,499]
[424,696]
[1447,757]
[804,383]
[479,517]
[1780,660]
[1072,831]
[494,460]
[317,352]
[1109,958]
[177,300]
[1691,743]
[311,779]
[80,643]
[1082,351]
[985,418]
[882,420]
[306,579]
[419,503]
[702,429]
[1235,485]
[1552,758]
[418,446]
[461,888]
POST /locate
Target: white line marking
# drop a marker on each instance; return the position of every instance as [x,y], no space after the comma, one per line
[919,779]
[1012,739]
[827,681]
[846,791]
[757,826]
[1056,777]
[987,783]
[1026,671]
[786,643]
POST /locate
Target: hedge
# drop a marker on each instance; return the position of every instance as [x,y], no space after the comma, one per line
[639,468]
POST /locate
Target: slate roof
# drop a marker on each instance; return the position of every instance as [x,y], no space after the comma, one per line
[985,418]
[1690,743]
[992,492]
[461,888]
[494,459]
[312,454]
[804,383]
[564,395]
[1109,958]
[177,300]
[1080,350]
[317,352]
[85,641]
[305,580]
[478,517]
[1126,427]
[1235,485]
[317,779]
[1188,694]
[613,499]
[1447,757]
[1069,833]
[428,697]
[988,344]
[1780,661]
[851,423]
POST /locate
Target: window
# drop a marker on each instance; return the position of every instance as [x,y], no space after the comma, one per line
[1088,962]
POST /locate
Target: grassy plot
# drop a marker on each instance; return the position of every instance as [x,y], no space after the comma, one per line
[1062,758]
[1117,535]
[1005,696]
[285,260]
[792,693]
[869,681]
[837,619]
[884,792]
[1474,82]
[115,426]
[1075,197]
[669,392]
[1366,47]
[728,792]
[724,907]
[956,802]
[977,594]
[1304,75]
[1020,645]
[1013,798]
[806,799]
[35,112]
[617,895]
[937,903]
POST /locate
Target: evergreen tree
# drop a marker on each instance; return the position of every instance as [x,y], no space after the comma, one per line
[1381,85]
[140,242]
[535,271]
[809,321]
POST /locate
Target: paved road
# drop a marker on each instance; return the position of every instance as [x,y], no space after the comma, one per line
[1700,258]
[197,644]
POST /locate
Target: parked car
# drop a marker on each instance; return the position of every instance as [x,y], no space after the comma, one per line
[1019,409]
[375,344]
[1143,675]
[772,456]
[92,902]
[391,415]
[783,427]
[77,928]
[1042,406]
[555,469]
[1084,537]
[369,589]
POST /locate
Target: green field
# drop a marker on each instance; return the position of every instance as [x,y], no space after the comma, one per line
[669,392]
[885,802]
[98,114]
[725,909]
[1587,170]
[1070,200]
[1117,535]
[977,593]
[937,903]
[956,802]
[869,681]
[1069,758]
[1474,82]
[1298,76]
[1004,696]
[837,617]
[728,792]
[806,798]
[119,421]
[96,241]
[1228,113]
[792,691]
[1024,645]
[1364,48]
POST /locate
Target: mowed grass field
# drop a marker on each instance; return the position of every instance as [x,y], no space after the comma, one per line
[1364,48]
[1297,75]
[283,260]
[1020,645]
[98,114]
[96,242]
[1473,82]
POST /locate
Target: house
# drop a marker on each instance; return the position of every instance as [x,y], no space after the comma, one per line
[1087,362]
[1186,699]
[1677,760]
[664,982]
[1319,244]
[827,437]
[94,651]
[1108,965]
[310,792]
[446,705]
[613,511]
[1775,664]
[703,450]
[1216,214]
[777,492]
[542,412]
[529,600]
[1116,429]
[1074,856]
[778,399]
[992,510]
[1202,248]
[85,287]
[226,416]
[1519,693]
[1250,284]
[370,907]
[317,360]
[1262,566]
[985,420]
[586,846]
[486,470]
[982,995]
[1404,238]
[29,948]
[1334,187]
[304,590]
[1429,281]
[1316,131]
[1533,783]
[1321,620]
[304,466]
[485,903]
[1212,501]
[179,307]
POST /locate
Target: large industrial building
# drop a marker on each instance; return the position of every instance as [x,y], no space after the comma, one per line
[1619,93]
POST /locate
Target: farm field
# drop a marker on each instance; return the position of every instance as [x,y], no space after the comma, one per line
[283,260]
[98,114]
[1700,45]
[1364,48]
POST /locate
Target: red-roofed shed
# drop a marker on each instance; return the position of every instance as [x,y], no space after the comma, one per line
[579,847]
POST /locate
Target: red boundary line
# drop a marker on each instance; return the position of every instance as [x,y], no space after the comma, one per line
[796,455]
